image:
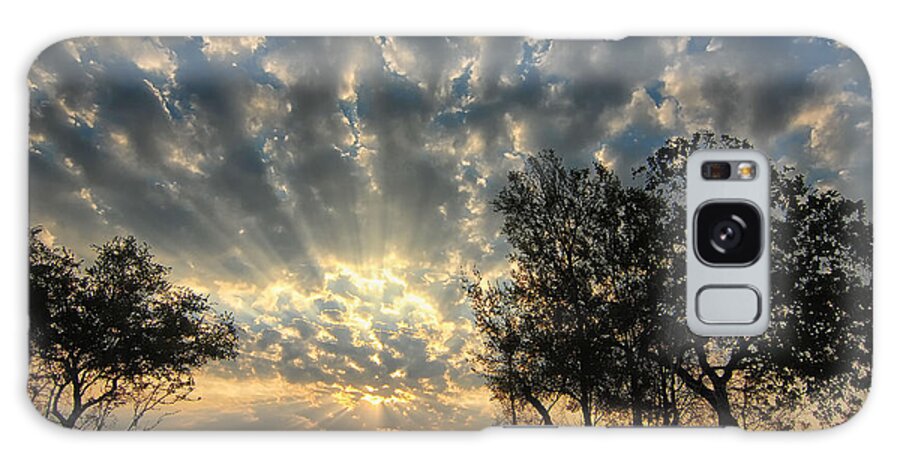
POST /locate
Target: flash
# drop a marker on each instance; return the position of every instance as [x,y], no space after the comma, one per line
[746,170]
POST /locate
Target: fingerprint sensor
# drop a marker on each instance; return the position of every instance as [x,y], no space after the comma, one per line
[724,304]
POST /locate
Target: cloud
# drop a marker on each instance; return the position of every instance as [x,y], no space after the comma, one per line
[374,340]
[328,190]
[223,48]
[802,101]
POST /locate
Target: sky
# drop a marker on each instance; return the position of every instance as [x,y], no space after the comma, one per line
[329,191]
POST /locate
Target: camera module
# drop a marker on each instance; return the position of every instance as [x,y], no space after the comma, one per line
[728,233]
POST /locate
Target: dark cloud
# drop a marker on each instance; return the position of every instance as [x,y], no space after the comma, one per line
[328,190]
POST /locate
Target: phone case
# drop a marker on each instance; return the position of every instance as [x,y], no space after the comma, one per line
[400,233]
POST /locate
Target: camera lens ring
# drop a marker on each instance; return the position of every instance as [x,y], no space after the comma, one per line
[739,244]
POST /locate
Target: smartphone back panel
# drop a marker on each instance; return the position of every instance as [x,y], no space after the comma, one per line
[441,233]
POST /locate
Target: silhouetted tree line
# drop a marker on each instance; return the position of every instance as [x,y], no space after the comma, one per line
[115,334]
[592,316]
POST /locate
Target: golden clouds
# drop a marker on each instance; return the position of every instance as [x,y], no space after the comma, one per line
[328,190]
[152,56]
[368,347]
[231,47]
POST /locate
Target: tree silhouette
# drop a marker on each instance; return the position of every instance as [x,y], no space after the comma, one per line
[594,308]
[818,342]
[115,332]
[583,260]
[510,361]
[664,176]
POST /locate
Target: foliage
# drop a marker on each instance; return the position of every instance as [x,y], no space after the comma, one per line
[115,332]
[584,258]
[593,311]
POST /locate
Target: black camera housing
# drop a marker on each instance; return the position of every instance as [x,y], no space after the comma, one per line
[728,233]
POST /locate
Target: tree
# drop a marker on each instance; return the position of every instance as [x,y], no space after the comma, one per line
[509,359]
[822,287]
[819,337]
[636,264]
[115,332]
[663,175]
[556,220]
[593,311]
[582,261]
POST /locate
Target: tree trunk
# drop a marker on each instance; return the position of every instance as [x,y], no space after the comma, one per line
[726,419]
[723,407]
[717,397]
[586,407]
[77,409]
[672,400]
[539,407]
[636,410]
[70,421]
[586,414]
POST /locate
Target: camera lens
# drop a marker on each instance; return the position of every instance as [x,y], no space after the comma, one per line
[716,170]
[728,233]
